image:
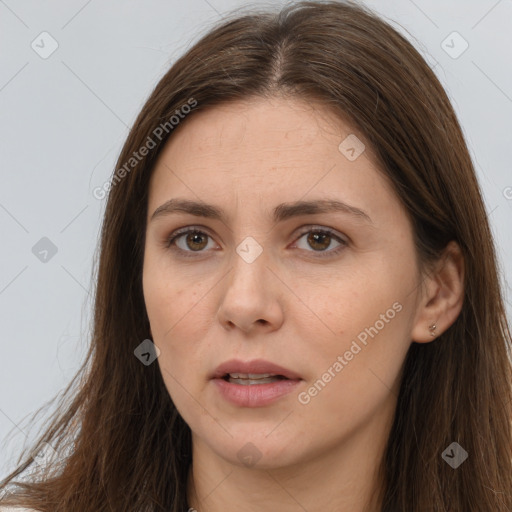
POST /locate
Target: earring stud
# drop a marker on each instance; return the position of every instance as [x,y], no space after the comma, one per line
[432,329]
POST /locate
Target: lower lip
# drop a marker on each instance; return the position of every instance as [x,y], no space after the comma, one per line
[255,395]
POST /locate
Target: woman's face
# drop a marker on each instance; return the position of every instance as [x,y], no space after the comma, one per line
[273,274]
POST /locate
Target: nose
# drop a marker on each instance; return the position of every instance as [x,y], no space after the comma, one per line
[252,297]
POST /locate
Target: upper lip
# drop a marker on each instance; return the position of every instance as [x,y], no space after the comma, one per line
[256,366]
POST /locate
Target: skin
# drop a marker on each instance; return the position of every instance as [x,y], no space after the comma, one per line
[290,305]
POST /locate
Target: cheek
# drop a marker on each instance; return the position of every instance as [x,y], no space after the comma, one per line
[169,300]
[178,320]
[363,317]
[354,380]
[173,318]
[350,302]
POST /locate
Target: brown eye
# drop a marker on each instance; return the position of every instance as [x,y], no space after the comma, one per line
[196,240]
[188,241]
[319,241]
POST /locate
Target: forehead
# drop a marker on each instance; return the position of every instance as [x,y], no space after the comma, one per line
[259,124]
[259,136]
[262,149]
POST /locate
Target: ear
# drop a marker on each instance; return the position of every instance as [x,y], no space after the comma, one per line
[443,295]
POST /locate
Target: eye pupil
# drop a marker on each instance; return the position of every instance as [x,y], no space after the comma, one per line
[192,237]
[313,240]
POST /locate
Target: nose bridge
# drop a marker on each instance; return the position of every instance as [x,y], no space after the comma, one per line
[250,262]
[247,295]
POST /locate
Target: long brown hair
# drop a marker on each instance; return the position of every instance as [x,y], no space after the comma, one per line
[122,444]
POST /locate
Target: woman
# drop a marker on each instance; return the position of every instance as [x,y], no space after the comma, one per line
[298,304]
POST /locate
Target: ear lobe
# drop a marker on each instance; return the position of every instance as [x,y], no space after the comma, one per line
[442,302]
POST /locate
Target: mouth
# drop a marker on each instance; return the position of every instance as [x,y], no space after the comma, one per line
[247,379]
[257,371]
[256,383]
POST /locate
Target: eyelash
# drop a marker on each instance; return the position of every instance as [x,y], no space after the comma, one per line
[193,229]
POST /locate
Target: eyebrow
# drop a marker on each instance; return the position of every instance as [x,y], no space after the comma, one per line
[280,213]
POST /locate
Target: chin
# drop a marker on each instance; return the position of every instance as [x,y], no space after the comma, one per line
[253,449]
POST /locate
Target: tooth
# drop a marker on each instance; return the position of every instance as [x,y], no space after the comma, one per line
[247,382]
[251,375]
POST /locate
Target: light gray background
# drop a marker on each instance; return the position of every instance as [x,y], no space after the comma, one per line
[63,121]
